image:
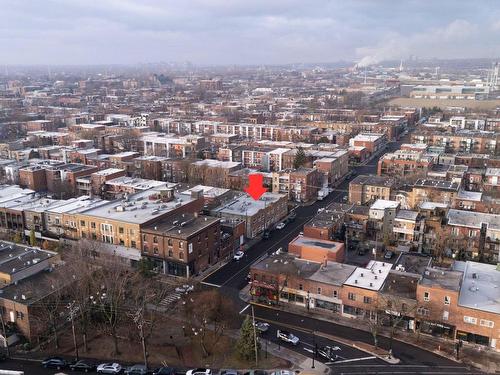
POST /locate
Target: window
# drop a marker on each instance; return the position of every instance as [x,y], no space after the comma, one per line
[122,242]
[82,223]
[170,243]
[470,319]
[120,230]
[351,296]
[427,296]
[106,227]
[367,300]
[404,307]
[181,255]
[107,238]
[447,300]
[335,294]
[446,314]
[92,225]
[145,248]
[144,238]
[155,250]
[486,323]
[181,244]
[170,253]
[300,287]
[319,290]
[423,311]
[155,240]
[133,244]
[19,315]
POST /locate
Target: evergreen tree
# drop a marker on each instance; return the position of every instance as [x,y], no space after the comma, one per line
[300,158]
[32,238]
[245,345]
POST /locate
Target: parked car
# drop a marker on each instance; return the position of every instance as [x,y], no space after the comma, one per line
[186,288]
[287,337]
[165,371]
[54,362]
[280,225]
[388,254]
[282,372]
[136,370]
[292,216]
[228,372]
[82,365]
[238,255]
[255,372]
[262,326]
[199,371]
[328,353]
[109,368]
[266,235]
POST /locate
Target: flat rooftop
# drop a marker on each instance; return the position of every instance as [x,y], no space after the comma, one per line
[108,171]
[181,226]
[443,278]
[412,263]
[472,219]
[373,180]
[400,284]
[480,286]
[317,243]
[246,205]
[333,273]
[136,183]
[383,204]
[372,277]
[16,258]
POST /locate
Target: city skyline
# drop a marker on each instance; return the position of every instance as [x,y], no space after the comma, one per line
[221,32]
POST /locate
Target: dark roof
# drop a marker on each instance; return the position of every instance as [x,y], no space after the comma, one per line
[181,226]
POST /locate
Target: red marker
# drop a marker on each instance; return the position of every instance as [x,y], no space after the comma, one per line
[255,188]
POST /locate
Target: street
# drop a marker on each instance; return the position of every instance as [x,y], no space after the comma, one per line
[232,277]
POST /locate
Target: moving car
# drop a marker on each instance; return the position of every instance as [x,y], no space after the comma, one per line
[238,255]
[287,337]
[109,368]
[199,371]
[328,353]
[262,326]
[54,362]
[280,225]
[82,365]
[136,370]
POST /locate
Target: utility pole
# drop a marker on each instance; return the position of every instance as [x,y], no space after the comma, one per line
[139,320]
[314,348]
[73,309]
[254,337]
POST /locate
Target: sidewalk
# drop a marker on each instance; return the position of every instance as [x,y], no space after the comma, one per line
[473,355]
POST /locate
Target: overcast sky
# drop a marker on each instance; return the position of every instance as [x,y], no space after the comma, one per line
[244,32]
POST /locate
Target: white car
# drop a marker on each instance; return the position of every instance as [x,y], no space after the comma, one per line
[199,371]
[280,226]
[186,288]
[109,368]
[287,337]
[238,255]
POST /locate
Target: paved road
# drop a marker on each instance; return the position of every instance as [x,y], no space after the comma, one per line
[233,277]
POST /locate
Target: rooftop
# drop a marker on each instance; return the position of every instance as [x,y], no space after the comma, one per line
[472,219]
[438,184]
[373,180]
[407,215]
[442,278]
[414,263]
[16,258]
[480,286]
[333,273]
[181,226]
[317,243]
[372,277]
[246,205]
[136,183]
[383,204]
[108,171]
[400,284]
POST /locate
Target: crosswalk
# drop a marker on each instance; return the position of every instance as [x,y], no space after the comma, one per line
[170,299]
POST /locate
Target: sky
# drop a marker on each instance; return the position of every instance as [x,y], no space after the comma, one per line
[206,32]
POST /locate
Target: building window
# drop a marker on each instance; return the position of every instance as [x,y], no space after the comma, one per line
[423,311]
[367,300]
[351,296]
[155,240]
[181,255]
[107,238]
[170,253]
[470,319]
[319,290]
[486,323]
[170,242]
[144,238]
[427,296]
[155,250]
[122,242]
[120,230]
[106,227]
[145,248]
[335,294]
[92,225]
[82,223]
[19,315]
[447,300]
[300,287]
[181,244]
[133,244]
[446,314]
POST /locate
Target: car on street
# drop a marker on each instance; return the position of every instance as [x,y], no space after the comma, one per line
[388,254]
[228,372]
[82,365]
[262,326]
[186,288]
[199,371]
[109,368]
[328,353]
[287,337]
[136,370]
[292,216]
[280,225]
[165,371]
[54,362]
[282,372]
[238,255]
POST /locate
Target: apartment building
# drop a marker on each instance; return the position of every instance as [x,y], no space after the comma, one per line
[404,163]
[426,190]
[372,142]
[183,245]
[159,144]
[364,189]
[465,141]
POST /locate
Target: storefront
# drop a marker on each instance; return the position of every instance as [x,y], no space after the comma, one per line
[389,318]
[264,293]
[473,338]
[327,305]
[436,329]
